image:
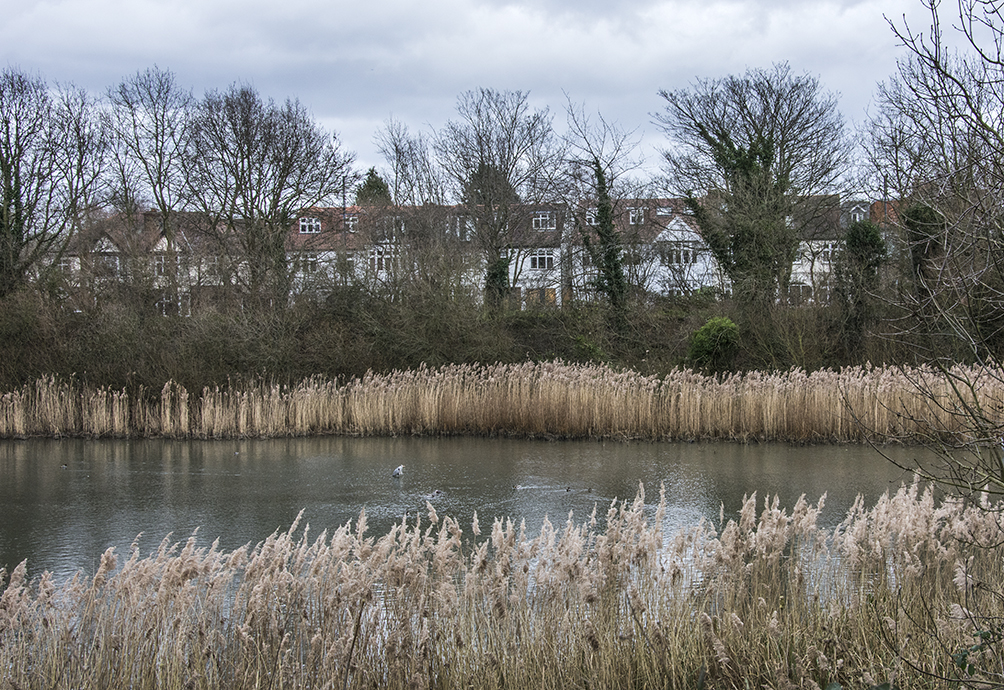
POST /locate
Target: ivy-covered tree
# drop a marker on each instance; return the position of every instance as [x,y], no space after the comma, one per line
[747,225]
[857,280]
[600,156]
[754,154]
[605,252]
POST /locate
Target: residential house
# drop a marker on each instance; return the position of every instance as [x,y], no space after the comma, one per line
[388,247]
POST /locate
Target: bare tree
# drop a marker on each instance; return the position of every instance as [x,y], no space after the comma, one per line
[150,117]
[500,157]
[52,149]
[938,148]
[257,166]
[746,151]
[940,136]
[415,177]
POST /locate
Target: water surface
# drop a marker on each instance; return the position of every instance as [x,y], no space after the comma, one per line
[65,501]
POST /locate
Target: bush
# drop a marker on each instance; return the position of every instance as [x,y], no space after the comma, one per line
[714,344]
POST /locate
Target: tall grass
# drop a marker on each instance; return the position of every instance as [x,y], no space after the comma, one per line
[768,600]
[531,400]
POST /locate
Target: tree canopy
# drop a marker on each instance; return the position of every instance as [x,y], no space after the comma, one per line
[746,151]
[373,190]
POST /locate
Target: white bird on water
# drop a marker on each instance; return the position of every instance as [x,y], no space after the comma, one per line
[398,471]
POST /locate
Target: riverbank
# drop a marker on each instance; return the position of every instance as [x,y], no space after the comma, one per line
[894,595]
[533,400]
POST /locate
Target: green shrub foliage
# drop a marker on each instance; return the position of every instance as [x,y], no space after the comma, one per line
[715,343]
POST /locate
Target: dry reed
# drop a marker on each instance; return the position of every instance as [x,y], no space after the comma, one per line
[764,600]
[531,400]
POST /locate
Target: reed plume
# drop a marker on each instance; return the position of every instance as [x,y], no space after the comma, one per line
[765,598]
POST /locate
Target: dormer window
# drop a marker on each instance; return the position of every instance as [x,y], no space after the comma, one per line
[310,226]
[544,220]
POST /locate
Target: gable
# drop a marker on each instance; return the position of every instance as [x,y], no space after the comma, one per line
[105,246]
[677,231]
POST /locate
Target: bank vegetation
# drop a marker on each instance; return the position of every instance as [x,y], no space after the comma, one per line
[764,599]
[534,400]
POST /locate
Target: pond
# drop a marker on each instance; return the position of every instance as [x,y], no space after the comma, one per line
[66,501]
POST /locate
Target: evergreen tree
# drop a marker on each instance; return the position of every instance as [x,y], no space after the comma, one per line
[373,191]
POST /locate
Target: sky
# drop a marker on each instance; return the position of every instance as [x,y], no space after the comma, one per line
[356,64]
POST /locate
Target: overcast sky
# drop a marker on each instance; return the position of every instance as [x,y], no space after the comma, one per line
[356,64]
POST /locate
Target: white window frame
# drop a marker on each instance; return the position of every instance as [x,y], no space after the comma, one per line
[183,304]
[381,257]
[545,220]
[160,264]
[542,260]
[636,215]
[463,227]
[310,225]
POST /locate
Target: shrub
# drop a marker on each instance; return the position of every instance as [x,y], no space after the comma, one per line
[714,344]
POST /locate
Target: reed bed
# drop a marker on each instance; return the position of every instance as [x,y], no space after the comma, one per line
[551,399]
[764,599]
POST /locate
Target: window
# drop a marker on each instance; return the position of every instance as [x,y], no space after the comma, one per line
[310,225]
[636,216]
[180,306]
[544,220]
[65,265]
[351,222]
[664,211]
[381,258]
[592,216]
[828,252]
[541,296]
[680,254]
[309,264]
[107,264]
[542,259]
[162,264]
[463,227]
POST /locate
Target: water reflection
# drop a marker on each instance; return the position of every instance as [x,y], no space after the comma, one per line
[64,502]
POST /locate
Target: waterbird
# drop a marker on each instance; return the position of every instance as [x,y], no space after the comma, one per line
[398,471]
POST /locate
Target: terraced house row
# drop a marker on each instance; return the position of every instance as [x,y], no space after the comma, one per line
[184,260]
